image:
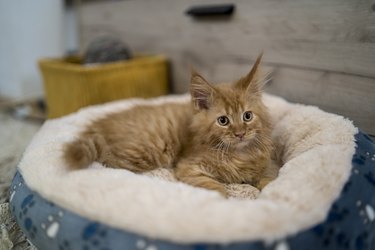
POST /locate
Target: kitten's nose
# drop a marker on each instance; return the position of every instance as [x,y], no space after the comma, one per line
[240,134]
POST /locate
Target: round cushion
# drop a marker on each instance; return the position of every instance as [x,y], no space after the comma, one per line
[323,191]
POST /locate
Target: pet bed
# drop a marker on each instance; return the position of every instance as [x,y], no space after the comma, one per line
[323,197]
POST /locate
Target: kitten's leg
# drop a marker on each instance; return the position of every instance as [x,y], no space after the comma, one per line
[137,160]
[269,174]
[197,176]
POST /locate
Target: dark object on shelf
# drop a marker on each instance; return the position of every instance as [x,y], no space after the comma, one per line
[211,10]
[106,49]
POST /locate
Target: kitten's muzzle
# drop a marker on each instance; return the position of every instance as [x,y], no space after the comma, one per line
[240,135]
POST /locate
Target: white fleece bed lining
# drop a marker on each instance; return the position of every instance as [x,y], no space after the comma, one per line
[318,148]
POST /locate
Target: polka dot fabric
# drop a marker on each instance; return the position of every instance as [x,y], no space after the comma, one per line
[350,224]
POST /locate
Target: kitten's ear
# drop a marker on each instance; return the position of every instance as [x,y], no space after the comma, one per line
[252,82]
[201,91]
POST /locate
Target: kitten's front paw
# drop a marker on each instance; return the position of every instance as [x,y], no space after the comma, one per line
[263,182]
[242,191]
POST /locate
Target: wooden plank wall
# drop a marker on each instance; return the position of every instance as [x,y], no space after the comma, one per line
[321,52]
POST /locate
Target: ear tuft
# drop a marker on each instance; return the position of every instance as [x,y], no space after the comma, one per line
[201,91]
[251,82]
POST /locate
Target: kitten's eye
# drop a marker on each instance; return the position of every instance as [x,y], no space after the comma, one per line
[247,116]
[223,120]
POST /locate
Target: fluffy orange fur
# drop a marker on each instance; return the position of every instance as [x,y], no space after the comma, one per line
[221,137]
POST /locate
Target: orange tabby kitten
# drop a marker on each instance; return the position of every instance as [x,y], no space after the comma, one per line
[221,137]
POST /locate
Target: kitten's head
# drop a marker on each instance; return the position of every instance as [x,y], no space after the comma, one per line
[230,114]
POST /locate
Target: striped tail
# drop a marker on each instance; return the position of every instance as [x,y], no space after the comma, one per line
[82,152]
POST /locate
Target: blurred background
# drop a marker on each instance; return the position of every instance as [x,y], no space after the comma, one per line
[318,52]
